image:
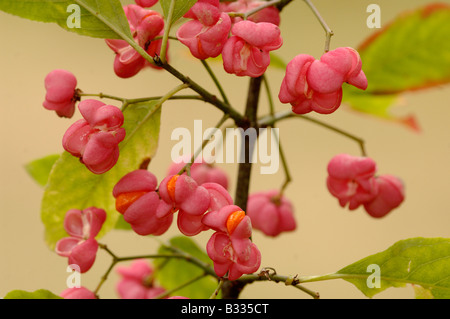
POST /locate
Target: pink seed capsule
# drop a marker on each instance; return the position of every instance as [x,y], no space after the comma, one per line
[316,85]
[351,180]
[137,282]
[61,92]
[191,225]
[271,213]
[233,257]
[390,195]
[231,220]
[246,52]
[138,201]
[95,138]
[82,227]
[207,12]
[145,25]
[335,67]
[183,193]
[230,246]
[205,38]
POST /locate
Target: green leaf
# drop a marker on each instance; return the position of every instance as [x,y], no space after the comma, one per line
[422,293]
[38,294]
[377,105]
[72,186]
[422,262]
[410,53]
[173,272]
[181,7]
[40,169]
[98,18]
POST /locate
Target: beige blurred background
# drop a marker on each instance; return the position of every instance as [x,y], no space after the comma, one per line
[328,237]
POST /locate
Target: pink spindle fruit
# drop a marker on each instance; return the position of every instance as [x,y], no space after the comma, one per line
[207,32]
[271,213]
[183,193]
[191,225]
[247,51]
[140,204]
[316,85]
[82,226]
[390,195]
[95,138]
[351,180]
[61,92]
[137,281]
[145,25]
[230,247]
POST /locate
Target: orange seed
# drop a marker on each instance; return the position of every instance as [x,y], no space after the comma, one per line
[171,187]
[123,201]
[233,220]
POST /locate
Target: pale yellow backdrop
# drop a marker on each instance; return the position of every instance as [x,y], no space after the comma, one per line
[328,237]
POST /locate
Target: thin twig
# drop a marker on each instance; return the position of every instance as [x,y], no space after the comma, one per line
[263,6]
[287,280]
[165,39]
[141,99]
[216,81]
[102,96]
[216,292]
[208,97]
[269,120]
[328,32]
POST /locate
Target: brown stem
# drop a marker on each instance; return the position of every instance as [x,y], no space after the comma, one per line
[207,97]
[244,171]
[232,289]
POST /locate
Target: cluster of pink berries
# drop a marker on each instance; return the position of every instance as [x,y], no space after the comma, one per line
[150,211]
[246,51]
[203,203]
[245,46]
[270,212]
[95,138]
[206,34]
[352,180]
